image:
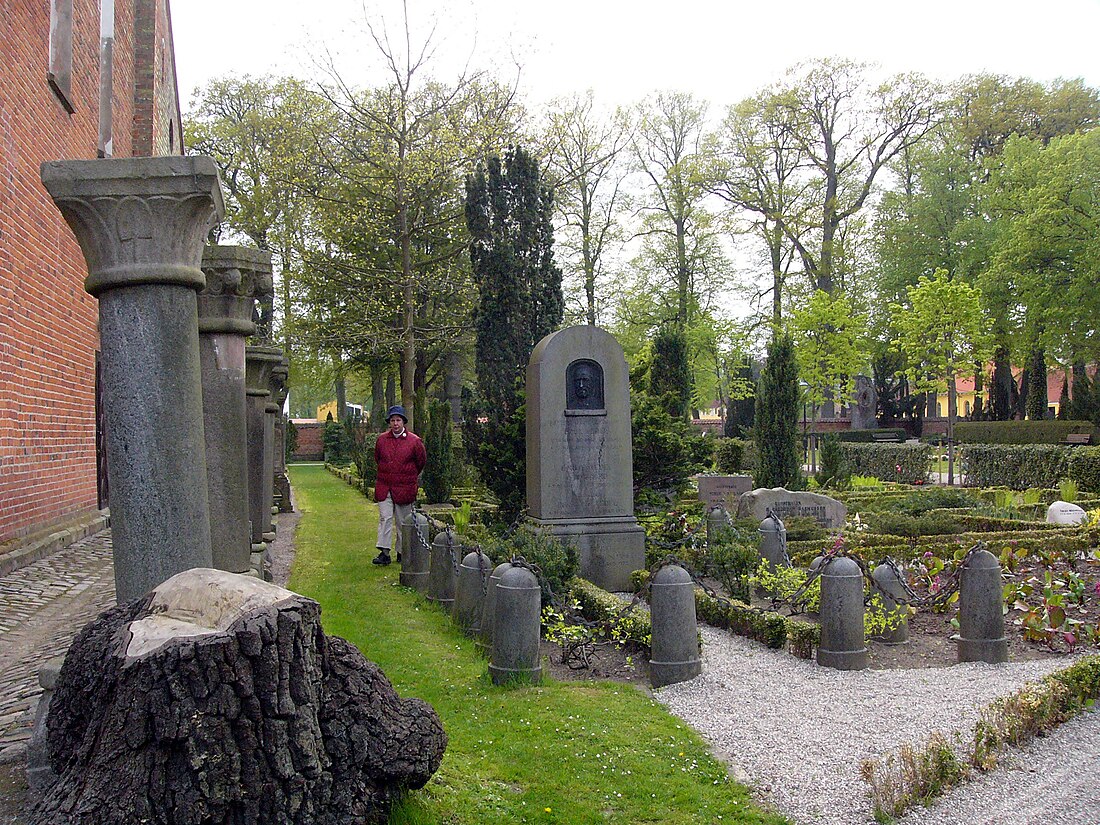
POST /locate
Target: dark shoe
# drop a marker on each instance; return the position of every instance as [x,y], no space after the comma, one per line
[399,557]
[382,558]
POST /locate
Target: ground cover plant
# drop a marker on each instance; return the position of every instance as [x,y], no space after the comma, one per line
[617,755]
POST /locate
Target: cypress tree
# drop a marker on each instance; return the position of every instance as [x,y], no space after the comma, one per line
[508,212]
[439,471]
[1037,385]
[776,427]
[670,375]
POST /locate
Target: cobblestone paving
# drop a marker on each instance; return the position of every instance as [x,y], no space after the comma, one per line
[42,606]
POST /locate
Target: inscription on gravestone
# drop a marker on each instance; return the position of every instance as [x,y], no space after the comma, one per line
[826,511]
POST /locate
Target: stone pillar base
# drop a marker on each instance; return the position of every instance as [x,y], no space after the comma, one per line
[609,549]
[843,659]
[993,651]
[282,484]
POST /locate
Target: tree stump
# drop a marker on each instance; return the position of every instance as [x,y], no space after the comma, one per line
[218,698]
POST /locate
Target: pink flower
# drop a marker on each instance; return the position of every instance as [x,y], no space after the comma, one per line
[928,555]
[1096,587]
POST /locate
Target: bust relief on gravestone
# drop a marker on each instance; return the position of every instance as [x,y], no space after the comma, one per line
[584,386]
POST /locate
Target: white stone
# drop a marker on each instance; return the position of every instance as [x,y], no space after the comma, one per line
[199,602]
[1062,512]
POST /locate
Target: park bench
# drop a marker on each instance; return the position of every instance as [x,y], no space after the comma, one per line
[1078,439]
[886,438]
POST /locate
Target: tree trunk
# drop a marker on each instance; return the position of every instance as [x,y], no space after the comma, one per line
[952,411]
[267,721]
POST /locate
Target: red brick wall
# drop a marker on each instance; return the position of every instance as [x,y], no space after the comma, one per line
[48,324]
[156,121]
[310,446]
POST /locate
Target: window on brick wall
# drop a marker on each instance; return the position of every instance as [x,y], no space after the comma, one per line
[60,74]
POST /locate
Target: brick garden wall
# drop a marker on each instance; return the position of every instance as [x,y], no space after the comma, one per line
[48,324]
[310,446]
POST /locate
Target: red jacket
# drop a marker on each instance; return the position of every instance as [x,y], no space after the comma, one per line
[400,460]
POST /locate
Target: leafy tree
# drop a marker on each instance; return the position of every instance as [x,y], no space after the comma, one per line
[849,130]
[941,332]
[508,213]
[674,158]
[776,427]
[827,339]
[584,153]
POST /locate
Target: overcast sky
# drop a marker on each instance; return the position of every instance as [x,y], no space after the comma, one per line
[721,50]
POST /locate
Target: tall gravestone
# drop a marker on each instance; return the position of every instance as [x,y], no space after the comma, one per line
[141,223]
[580,473]
[233,275]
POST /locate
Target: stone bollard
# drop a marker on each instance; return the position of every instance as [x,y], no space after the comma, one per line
[441,572]
[891,590]
[515,650]
[488,609]
[225,321]
[141,223]
[415,554]
[675,647]
[773,543]
[843,645]
[717,521]
[981,616]
[40,773]
[470,591]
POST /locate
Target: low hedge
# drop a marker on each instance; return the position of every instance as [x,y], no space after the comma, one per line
[889,462]
[874,549]
[1083,466]
[597,605]
[768,628]
[1018,432]
[1017,467]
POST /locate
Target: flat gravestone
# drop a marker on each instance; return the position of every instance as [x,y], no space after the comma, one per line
[828,512]
[723,491]
[580,472]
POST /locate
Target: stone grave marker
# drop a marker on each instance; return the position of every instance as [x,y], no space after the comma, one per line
[828,512]
[579,463]
[723,491]
[1062,512]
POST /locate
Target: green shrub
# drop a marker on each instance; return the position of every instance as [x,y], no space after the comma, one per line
[889,462]
[359,443]
[1018,432]
[666,450]
[733,455]
[291,439]
[1083,467]
[764,626]
[732,562]
[803,528]
[834,470]
[555,559]
[334,439]
[438,476]
[1017,467]
[775,427]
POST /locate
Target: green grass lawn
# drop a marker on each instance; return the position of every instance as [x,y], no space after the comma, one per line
[561,752]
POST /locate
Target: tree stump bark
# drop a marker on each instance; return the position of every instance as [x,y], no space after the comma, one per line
[219,699]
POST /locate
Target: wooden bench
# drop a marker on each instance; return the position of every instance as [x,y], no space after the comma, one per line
[1078,439]
[886,438]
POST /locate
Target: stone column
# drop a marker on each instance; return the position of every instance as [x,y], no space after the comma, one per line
[141,223]
[233,276]
[273,411]
[259,361]
[282,481]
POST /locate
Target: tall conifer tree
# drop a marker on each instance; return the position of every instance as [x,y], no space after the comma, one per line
[508,212]
[776,428]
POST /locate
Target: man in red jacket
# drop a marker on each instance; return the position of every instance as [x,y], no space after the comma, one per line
[400,456]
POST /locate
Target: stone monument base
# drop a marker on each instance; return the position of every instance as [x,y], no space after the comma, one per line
[609,549]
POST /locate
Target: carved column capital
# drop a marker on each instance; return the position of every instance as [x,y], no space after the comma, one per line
[138,220]
[235,277]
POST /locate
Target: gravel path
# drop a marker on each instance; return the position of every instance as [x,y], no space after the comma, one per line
[797,732]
